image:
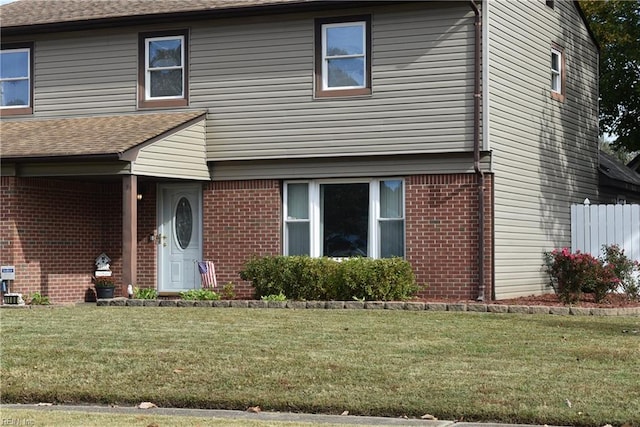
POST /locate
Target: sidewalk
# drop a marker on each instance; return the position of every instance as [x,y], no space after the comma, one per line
[319,419]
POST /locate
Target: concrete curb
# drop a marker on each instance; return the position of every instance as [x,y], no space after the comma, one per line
[261,416]
[381,305]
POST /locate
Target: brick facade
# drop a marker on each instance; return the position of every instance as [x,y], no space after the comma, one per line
[52,230]
[242,219]
[442,234]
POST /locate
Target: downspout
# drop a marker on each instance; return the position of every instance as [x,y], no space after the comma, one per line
[476,150]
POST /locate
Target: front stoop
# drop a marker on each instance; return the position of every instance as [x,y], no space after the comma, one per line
[376,305]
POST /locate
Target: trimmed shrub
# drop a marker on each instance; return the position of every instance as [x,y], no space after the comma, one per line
[572,274]
[306,278]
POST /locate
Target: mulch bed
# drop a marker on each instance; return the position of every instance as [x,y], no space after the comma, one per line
[551,300]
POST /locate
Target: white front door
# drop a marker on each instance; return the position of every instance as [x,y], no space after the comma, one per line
[179,237]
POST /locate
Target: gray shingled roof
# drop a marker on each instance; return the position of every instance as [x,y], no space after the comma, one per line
[39,12]
[613,169]
[85,136]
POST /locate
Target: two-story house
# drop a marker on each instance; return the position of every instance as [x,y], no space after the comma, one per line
[455,134]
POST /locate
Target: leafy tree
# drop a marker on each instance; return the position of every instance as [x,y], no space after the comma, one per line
[616,26]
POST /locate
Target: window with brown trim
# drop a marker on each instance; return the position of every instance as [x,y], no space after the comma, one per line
[558,73]
[343,56]
[16,79]
[163,72]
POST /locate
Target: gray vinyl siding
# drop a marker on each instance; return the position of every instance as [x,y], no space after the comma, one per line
[181,155]
[261,98]
[255,77]
[374,166]
[544,151]
[95,73]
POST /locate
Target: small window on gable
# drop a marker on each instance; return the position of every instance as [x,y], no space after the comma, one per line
[343,56]
[558,73]
[163,70]
[550,3]
[16,81]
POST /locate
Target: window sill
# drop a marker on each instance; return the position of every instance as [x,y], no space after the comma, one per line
[342,93]
[16,111]
[163,104]
[558,96]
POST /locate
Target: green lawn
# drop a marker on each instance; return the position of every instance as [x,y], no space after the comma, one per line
[488,367]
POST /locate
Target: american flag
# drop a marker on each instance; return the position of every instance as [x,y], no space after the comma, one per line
[207,274]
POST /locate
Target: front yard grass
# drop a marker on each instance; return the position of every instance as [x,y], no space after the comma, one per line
[540,369]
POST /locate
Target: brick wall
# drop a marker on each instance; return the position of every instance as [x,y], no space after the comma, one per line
[442,234]
[147,249]
[241,219]
[52,231]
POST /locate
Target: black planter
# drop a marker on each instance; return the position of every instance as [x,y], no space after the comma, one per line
[102,292]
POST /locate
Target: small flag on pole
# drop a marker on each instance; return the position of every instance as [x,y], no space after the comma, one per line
[207,274]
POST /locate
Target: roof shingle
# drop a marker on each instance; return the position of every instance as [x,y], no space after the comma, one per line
[39,12]
[85,136]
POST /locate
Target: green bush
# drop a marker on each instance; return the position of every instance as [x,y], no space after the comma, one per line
[228,291]
[306,278]
[386,279]
[199,295]
[278,297]
[572,274]
[624,269]
[145,293]
[38,299]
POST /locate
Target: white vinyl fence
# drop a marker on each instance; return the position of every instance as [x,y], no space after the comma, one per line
[595,225]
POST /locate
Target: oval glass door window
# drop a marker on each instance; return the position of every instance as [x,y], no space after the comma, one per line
[184,222]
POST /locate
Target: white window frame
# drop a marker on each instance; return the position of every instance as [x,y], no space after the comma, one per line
[556,75]
[148,70]
[326,58]
[315,215]
[13,79]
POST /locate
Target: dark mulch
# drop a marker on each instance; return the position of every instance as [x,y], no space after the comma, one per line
[552,300]
[586,300]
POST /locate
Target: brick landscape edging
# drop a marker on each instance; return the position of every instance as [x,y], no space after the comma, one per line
[379,305]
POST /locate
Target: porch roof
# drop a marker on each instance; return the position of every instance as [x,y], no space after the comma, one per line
[85,137]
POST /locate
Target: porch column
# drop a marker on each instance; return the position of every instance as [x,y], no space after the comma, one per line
[129,231]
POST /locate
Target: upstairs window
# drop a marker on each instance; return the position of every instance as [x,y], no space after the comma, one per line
[344,219]
[163,80]
[343,56]
[16,84]
[557,73]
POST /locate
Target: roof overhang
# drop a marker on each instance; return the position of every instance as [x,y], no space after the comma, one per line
[138,144]
[199,11]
